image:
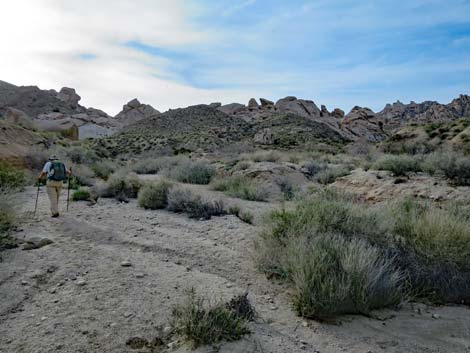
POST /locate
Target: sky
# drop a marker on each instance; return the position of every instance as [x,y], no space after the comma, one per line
[177,53]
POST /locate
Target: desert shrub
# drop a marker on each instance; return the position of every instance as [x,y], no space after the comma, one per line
[148,166]
[193,172]
[331,173]
[434,234]
[455,166]
[241,187]
[399,165]
[11,177]
[287,187]
[242,165]
[154,195]
[82,175]
[122,186]
[203,324]
[266,156]
[333,276]
[427,245]
[312,168]
[7,212]
[182,200]
[81,195]
[81,155]
[244,216]
[103,169]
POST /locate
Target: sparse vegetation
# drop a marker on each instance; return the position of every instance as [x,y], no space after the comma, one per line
[399,165]
[154,195]
[331,173]
[245,216]
[241,187]
[81,195]
[183,200]
[202,324]
[193,172]
[103,169]
[11,178]
[122,186]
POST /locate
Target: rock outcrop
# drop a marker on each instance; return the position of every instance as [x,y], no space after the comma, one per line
[300,107]
[134,111]
[362,123]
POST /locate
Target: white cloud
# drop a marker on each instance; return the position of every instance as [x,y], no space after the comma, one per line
[46,37]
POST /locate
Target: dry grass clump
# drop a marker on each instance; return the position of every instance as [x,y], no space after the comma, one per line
[245,216]
[154,195]
[455,166]
[202,324]
[183,200]
[399,165]
[193,172]
[242,188]
[122,185]
[11,178]
[343,256]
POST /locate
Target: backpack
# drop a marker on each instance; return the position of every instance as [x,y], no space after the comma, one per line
[57,171]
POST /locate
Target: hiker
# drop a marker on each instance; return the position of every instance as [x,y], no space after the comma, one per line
[56,174]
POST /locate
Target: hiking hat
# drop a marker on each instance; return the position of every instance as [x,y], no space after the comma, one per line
[53,157]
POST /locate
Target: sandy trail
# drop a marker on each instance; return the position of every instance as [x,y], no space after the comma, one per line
[74,295]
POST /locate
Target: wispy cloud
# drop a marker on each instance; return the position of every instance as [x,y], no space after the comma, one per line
[172,54]
[238,7]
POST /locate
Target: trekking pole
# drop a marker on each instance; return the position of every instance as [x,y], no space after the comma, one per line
[37,197]
[68,190]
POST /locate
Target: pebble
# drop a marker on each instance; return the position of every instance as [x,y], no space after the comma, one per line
[229,285]
[81,282]
[24,283]
[53,291]
[139,275]
[304,323]
[44,318]
[172,344]
[126,264]
[273,307]
[127,314]
[436,316]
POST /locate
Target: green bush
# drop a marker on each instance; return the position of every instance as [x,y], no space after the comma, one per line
[333,276]
[154,195]
[287,186]
[7,212]
[11,178]
[455,166]
[330,174]
[204,324]
[81,155]
[81,195]
[193,172]
[427,244]
[122,186]
[241,187]
[399,165]
[103,169]
[312,168]
[181,200]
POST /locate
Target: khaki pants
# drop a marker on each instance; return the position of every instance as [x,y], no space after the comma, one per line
[53,191]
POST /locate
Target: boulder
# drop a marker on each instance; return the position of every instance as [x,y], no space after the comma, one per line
[215,105]
[338,113]
[324,111]
[363,123]
[252,104]
[68,95]
[134,111]
[232,108]
[301,107]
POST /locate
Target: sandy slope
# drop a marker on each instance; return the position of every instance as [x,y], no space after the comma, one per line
[74,295]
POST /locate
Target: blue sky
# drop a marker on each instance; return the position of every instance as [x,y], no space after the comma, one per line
[338,53]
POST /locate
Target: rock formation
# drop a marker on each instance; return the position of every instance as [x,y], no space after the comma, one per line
[134,111]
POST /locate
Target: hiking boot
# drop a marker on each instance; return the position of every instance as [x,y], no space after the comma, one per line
[55,215]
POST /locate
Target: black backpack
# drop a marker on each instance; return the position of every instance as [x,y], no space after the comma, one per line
[57,171]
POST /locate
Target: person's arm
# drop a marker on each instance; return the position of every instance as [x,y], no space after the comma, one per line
[44,171]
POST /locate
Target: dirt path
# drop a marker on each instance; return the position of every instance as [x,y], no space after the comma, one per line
[74,295]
